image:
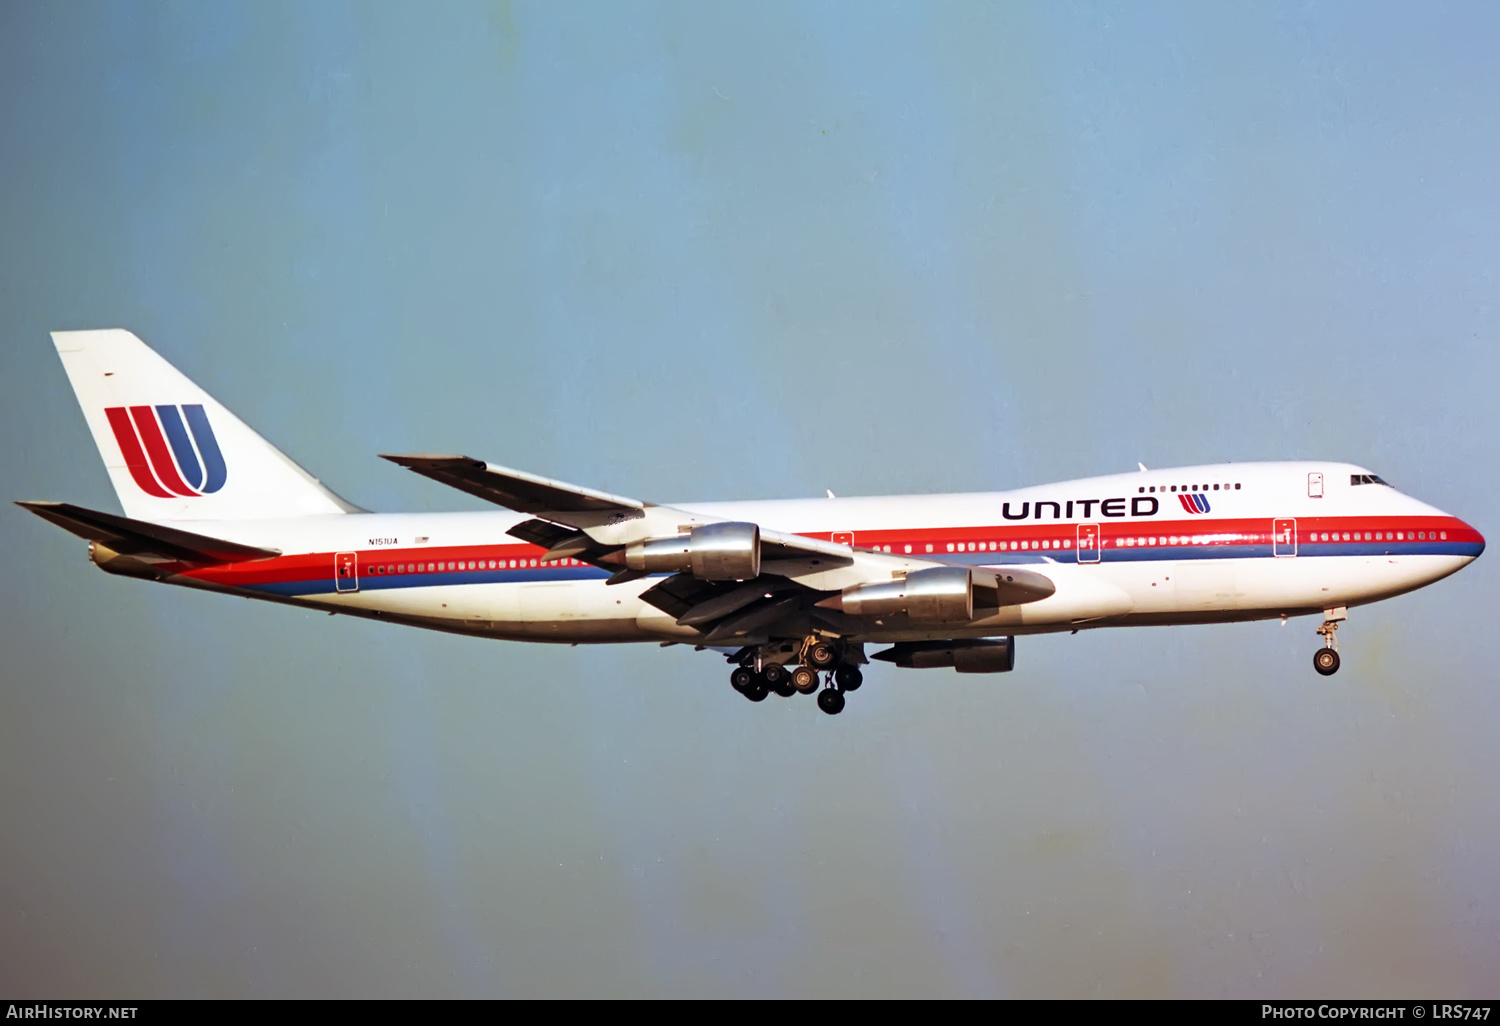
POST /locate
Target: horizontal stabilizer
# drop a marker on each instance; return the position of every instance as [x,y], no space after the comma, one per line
[136,537]
[522,492]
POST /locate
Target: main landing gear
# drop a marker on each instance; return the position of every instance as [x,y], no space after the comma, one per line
[816,655]
[1326,659]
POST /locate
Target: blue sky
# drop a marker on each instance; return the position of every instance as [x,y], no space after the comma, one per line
[705,251]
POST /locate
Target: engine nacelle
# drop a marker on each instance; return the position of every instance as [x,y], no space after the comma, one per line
[977,655]
[941,594]
[710,552]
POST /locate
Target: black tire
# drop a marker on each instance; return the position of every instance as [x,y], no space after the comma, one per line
[741,678]
[848,678]
[778,680]
[831,701]
[822,656]
[1326,661]
[757,691]
[805,679]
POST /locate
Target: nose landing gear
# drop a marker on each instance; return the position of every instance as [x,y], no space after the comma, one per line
[1326,659]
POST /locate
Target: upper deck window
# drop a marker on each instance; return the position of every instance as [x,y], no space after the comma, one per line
[1364,479]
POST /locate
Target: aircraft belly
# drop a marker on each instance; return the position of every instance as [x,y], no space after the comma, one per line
[1324,581]
[1160,592]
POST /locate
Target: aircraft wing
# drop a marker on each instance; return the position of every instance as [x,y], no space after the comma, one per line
[525,493]
[140,538]
[796,571]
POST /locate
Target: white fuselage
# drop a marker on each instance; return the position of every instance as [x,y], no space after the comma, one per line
[1189,545]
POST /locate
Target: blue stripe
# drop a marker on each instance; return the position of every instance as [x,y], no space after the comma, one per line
[187,462]
[208,445]
[390,582]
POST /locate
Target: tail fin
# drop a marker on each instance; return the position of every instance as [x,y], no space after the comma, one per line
[172,451]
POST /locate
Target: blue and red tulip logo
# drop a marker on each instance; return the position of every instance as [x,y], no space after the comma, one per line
[171,450]
[1197,502]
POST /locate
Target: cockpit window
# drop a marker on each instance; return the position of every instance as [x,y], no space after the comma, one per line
[1364,479]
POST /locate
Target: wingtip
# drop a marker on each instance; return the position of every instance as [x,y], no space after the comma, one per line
[420,458]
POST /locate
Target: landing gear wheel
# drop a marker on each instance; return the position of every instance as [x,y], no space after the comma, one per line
[805,680]
[777,679]
[848,678]
[741,678]
[821,655]
[831,701]
[1326,661]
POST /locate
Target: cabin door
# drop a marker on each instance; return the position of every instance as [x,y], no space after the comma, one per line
[1284,537]
[346,571]
[1088,543]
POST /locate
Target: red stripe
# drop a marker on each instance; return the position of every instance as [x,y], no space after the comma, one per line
[156,449]
[1238,531]
[130,448]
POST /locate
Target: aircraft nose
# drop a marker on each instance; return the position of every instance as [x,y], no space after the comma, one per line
[1474,538]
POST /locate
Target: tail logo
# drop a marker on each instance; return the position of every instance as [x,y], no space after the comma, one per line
[170,450]
[1197,502]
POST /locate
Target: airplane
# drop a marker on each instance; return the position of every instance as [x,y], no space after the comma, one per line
[789,591]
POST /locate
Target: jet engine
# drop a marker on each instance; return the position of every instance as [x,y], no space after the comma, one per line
[965,655]
[940,594]
[710,552]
